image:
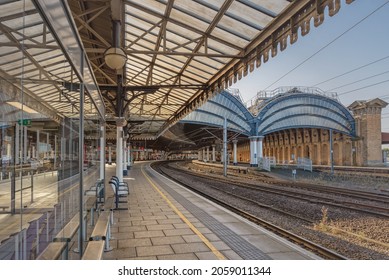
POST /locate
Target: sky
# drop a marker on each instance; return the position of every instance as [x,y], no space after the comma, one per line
[347,54]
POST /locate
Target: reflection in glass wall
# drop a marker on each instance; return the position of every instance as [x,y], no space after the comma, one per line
[40,187]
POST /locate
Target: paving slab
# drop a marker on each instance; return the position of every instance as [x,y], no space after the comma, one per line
[166,222]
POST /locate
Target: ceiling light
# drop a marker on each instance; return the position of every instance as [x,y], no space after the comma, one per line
[115,58]
[22,107]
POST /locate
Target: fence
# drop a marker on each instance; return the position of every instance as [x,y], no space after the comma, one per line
[266,163]
[304,163]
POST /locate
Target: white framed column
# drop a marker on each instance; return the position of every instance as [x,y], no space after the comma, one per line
[235,151]
[213,153]
[225,141]
[124,154]
[207,153]
[110,154]
[102,152]
[253,151]
[204,158]
[260,146]
[17,140]
[129,160]
[119,152]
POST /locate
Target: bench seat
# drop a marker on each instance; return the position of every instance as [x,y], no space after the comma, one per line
[94,250]
[61,241]
[99,239]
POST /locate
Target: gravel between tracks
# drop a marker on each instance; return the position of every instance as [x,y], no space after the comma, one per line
[330,229]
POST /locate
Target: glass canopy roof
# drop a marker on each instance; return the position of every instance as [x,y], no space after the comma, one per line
[180,53]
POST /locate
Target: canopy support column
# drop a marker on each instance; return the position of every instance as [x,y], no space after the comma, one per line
[235,142]
[253,151]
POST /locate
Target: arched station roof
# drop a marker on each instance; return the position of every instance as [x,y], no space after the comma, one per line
[303,107]
[180,54]
[284,108]
[224,105]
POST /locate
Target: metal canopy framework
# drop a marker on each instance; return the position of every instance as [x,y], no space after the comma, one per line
[180,53]
[34,67]
[224,105]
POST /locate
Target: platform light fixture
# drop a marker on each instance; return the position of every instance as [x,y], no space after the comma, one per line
[115,58]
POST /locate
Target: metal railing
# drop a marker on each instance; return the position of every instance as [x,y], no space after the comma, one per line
[266,163]
[304,163]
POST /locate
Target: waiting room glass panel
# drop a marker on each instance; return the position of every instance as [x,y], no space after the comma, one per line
[40,185]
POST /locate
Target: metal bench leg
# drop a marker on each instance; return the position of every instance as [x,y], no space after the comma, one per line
[77,250]
[108,247]
[84,222]
[92,217]
[117,198]
[66,251]
[111,217]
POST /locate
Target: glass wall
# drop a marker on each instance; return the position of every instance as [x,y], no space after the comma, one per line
[49,139]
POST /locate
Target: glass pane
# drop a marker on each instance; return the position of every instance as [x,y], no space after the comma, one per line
[40,186]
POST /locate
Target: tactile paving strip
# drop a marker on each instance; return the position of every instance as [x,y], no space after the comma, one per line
[240,246]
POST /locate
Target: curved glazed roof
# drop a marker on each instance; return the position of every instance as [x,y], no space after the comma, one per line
[297,109]
[223,105]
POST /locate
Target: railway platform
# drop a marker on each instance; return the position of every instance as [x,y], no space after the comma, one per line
[162,220]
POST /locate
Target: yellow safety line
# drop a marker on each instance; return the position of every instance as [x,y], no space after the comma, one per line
[219,255]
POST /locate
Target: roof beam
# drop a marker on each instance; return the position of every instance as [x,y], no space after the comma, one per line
[18,15]
[98,69]
[91,30]
[161,36]
[67,37]
[168,69]
[98,11]
[295,16]
[146,32]
[168,53]
[209,30]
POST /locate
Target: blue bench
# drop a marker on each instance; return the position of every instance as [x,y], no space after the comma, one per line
[98,191]
[119,190]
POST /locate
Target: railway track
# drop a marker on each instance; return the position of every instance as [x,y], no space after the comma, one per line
[316,248]
[379,197]
[293,191]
